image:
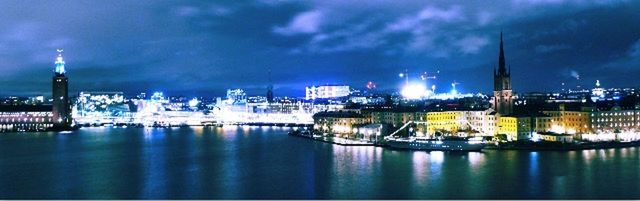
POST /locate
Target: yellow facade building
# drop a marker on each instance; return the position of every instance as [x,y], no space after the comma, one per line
[515,128]
[446,122]
[477,123]
[563,122]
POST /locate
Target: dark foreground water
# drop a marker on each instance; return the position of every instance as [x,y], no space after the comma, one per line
[254,162]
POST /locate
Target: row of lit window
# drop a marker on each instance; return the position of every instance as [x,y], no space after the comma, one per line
[25,120]
[615,114]
[611,119]
[19,114]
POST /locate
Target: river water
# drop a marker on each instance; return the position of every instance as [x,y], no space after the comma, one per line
[236,162]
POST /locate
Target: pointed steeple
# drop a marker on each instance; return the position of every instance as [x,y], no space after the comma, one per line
[501,64]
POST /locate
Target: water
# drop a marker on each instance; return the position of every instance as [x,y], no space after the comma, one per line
[263,162]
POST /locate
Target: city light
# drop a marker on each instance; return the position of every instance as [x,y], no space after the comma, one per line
[193,102]
[413,91]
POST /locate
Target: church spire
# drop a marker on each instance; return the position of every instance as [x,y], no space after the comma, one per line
[502,70]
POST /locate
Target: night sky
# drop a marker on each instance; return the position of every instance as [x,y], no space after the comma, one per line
[202,48]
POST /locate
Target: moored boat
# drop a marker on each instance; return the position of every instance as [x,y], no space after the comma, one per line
[438,144]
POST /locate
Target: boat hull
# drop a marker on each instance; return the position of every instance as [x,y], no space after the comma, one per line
[436,145]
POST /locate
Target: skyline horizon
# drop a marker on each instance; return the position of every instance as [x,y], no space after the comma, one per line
[254,91]
[205,48]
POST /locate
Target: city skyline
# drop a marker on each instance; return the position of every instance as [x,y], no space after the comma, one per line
[193,48]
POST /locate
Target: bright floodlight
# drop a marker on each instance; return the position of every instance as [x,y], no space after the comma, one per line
[413,91]
[193,102]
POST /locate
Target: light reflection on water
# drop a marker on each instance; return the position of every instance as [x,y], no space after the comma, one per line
[420,165]
[264,162]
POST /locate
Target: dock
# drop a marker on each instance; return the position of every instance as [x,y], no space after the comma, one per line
[333,140]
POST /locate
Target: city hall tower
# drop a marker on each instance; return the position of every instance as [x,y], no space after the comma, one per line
[60,93]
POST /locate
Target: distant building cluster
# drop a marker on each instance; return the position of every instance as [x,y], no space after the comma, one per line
[595,115]
[326,91]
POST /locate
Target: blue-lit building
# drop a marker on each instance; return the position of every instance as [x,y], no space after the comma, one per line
[41,117]
[60,94]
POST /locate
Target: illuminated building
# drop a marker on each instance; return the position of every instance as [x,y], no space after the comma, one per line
[343,124]
[372,132]
[598,92]
[615,120]
[236,96]
[13,100]
[366,99]
[284,110]
[159,97]
[470,123]
[25,118]
[564,122]
[503,95]
[326,91]
[483,123]
[395,118]
[515,127]
[447,122]
[100,101]
[60,93]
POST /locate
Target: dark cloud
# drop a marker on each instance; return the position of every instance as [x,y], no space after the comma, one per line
[202,48]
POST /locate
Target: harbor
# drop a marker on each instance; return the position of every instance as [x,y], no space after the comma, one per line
[456,144]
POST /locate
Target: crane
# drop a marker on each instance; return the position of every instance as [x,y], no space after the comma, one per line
[453,85]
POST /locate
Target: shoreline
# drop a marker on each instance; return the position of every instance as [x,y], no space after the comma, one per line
[521,146]
[563,147]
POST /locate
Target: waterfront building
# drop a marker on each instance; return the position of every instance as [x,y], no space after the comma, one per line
[615,119]
[372,132]
[14,100]
[467,123]
[343,124]
[447,122]
[483,122]
[25,118]
[502,93]
[285,110]
[563,121]
[326,91]
[60,93]
[515,127]
[396,118]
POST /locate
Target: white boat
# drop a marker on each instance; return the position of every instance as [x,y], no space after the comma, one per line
[438,144]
